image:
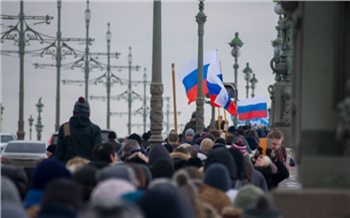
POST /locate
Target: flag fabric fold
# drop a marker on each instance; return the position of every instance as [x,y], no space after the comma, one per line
[188,74]
[217,92]
[251,108]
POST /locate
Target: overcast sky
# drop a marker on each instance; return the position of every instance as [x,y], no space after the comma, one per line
[131,25]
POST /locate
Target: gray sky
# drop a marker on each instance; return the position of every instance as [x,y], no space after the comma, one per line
[131,25]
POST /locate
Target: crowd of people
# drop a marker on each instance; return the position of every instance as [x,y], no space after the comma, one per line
[212,174]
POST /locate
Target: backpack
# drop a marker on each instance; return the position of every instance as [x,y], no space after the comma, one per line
[69,150]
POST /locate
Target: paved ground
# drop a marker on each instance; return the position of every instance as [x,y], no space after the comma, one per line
[292,182]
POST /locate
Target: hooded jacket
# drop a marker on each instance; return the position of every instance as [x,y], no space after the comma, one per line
[84,135]
[220,154]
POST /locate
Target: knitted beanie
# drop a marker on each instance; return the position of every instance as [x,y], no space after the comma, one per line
[110,190]
[247,196]
[160,203]
[47,171]
[238,143]
[120,171]
[217,176]
[81,106]
[189,132]
[193,114]
[206,145]
[262,209]
[232,129]
[253,143]
[163,184]
[129,146]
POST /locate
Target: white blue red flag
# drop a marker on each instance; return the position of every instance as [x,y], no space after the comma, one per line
[218,94]
[251,108]
[188,74]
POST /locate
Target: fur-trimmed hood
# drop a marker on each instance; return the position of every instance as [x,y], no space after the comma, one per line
[180,155]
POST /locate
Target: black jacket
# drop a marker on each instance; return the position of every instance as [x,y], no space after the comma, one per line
[52,210]
[84,135]
[273,179]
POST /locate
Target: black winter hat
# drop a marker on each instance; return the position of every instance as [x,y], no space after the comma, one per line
[112,135]
[217,176]
[52,196]
[81,106]
[136,137]
[194,115]
[253,143]
[47,171]
[162,169]
[51,148]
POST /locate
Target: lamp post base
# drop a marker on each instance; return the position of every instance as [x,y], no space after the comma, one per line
[20,133]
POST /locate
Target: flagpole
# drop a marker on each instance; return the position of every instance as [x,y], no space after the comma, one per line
[174,96]
[212,122]
[225,122]
[219,120]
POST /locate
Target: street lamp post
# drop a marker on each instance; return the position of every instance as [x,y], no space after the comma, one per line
[253,82]
[30,121]
[108,37]
[144,100]
[39,126]
[129,92]
[200,18]
[143,110]
[58,65]
[111,79]
[156,88]
[20,132]
[21,34]
[236,44]
[58,49]
[87,70]
[247,76]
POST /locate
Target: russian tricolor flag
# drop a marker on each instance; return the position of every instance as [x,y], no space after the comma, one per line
[251,108]
[217,91]
[188,74]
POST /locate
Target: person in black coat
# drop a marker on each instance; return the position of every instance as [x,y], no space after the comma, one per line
[83,134]
[220,154]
